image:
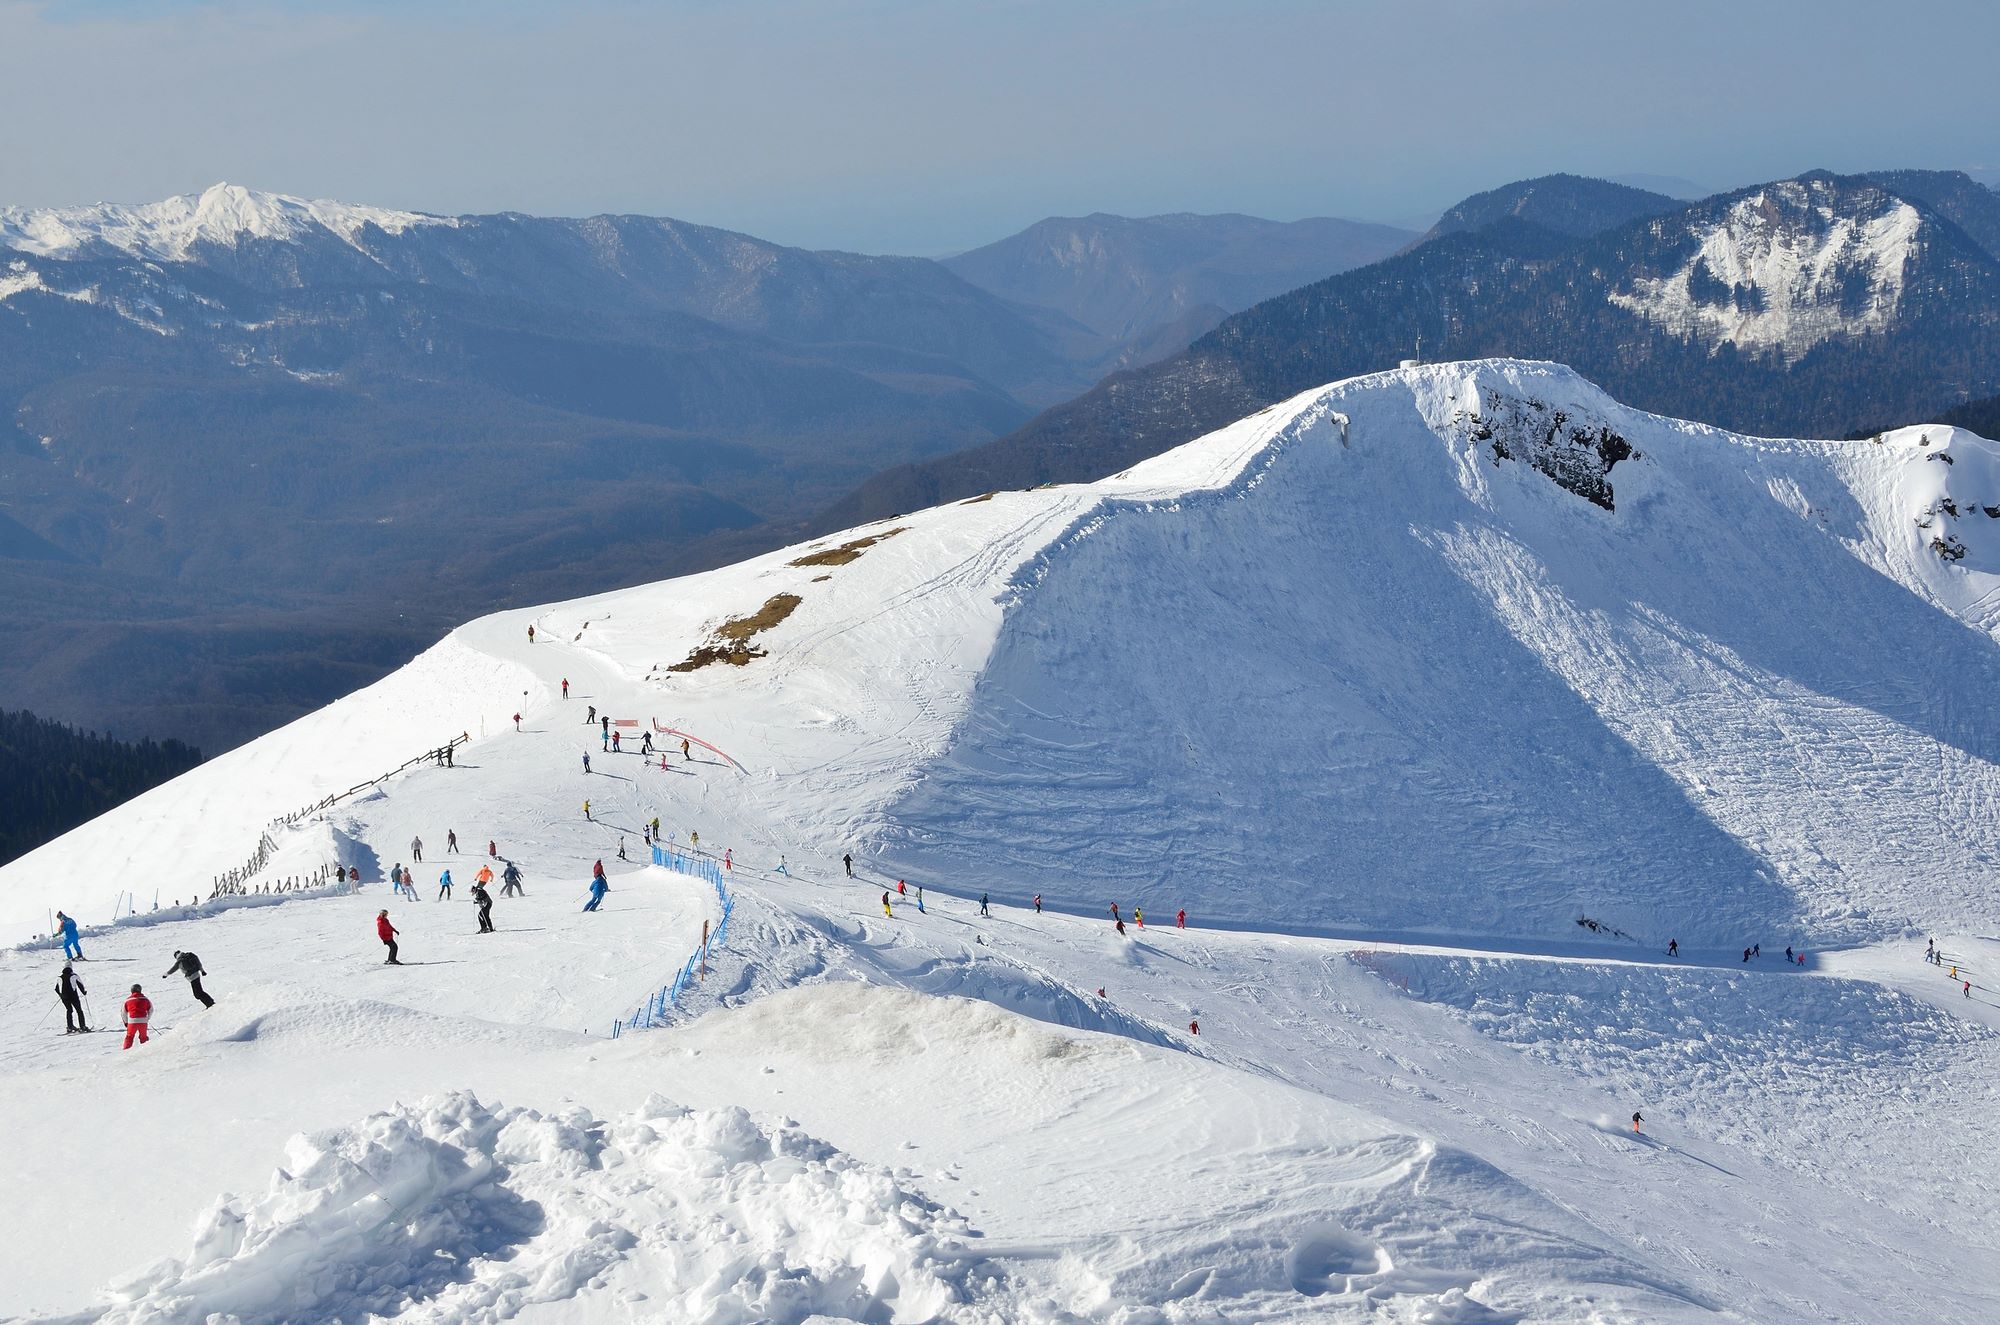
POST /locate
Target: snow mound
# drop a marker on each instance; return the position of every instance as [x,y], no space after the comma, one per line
[169,230]
[451,1210]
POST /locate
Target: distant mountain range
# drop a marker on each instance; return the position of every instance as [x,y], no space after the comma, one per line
[1801,307]
[258,449]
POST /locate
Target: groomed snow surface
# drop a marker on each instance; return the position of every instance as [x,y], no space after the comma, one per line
[1358,682]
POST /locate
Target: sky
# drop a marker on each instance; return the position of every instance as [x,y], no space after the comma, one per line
[894,126]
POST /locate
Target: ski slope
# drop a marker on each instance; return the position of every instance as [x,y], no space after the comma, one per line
[1387,686]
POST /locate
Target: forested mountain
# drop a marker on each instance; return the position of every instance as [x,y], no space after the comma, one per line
[1566,204]
[1791,308]
[54,777]
[1155,283]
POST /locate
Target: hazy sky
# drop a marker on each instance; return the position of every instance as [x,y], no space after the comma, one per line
[892,126]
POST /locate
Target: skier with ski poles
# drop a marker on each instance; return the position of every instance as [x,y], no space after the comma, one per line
[484,900]
[847,862]
[598,887]
[189,965]
[71,948]
[510,881]
[444,886]
[982,906]
[138,1015]
[71,991]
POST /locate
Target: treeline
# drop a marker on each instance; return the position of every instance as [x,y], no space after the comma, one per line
[54,777]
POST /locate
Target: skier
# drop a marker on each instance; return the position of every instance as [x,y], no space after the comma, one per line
[686,753]
[138,1015]
[1180,918]
[484,877]
[847,862]
[451,840]
[597,871]
[510,880]
[387,933]
[1746,954]
[565,687]
[586,811]
[492,849]
[1194,1028]
[517,722]
[1636,1120]
[1139,916]
[417,850]
[728,856]
[784,870]
[586,761]
[1930,950]
[645,745]
[694,839]
[1968,989]
[484,900]
[590,718]
[71,948]
[71,991]
[1120,925]
[982,906]
[598,887]
[189,965]
[920,899]
[1756,950]
[1114,914]
[1788,956]
[616,748]
[531,634]
[1038,903]
[1673,947]
[444,885]
[621,850]
[900,890]
[656,828]
[606,728]
[604,744]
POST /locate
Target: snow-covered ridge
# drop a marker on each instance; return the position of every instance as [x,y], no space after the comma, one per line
[1782,272]
[169,230]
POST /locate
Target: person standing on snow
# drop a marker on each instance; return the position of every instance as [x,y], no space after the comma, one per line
[1673,947]
[1119,925]
[885,905]
[531,633]
[1194,1028]
[510,881]
[451,840]
[1114,914]
[728,857]
[484,900]
[565,687]
[517,722]
[1180,918]
[138,1015]
[982,906]
[598,887]
[656,828]
[586,810]
[901,891]
[616,747]
[621,850]
[686,753]
[189,965]
[71,991]
[1139,916]
[1637,1118]
[492,849]
[417,850]
[71,948]
[1038,903]
[847,863]
[444,885]
[387,933]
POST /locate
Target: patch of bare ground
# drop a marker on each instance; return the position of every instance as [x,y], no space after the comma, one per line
[846,552]
[731,641]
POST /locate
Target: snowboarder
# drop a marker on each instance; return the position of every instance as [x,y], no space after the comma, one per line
[565,687]
[847,862]
[621,850]
[71,948]
[484,901]
[444,885]
[531,634]
[510,880]
[71,991]
[687,754]
[1636,1120]
[983,905]
[586,811]
[1038,903]
[1180,918]
[451,840]
[189,965]
[138,1015]
[598,887]
[417,850]
[885,905]
[1673,947]
[586,761]
[387,933]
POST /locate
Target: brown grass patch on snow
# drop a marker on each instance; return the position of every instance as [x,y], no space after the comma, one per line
[731,641]
[846,552]
[974,501]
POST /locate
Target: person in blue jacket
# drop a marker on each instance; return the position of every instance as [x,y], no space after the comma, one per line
[444,885]
[598,887]
[71,948]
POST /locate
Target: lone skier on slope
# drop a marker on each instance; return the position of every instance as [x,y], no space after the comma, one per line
[138,1015]
[71,948]
[387,933]
[189,965]
[71,991]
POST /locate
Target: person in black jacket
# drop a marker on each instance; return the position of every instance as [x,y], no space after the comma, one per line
[485,900]
[189,965]
[71,991]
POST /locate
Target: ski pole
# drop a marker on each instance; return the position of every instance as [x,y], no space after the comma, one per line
[48,1014]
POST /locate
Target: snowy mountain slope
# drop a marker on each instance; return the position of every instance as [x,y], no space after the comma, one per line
[1406,661]
[169,230]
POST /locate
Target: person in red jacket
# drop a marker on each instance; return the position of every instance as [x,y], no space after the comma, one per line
[387,932]
[138,1012]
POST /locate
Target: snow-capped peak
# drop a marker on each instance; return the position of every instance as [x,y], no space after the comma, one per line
[169,230]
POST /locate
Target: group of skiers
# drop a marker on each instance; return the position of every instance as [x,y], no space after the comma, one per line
[138,1009]
[1934,955]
